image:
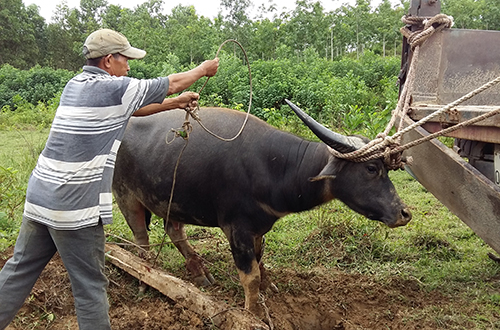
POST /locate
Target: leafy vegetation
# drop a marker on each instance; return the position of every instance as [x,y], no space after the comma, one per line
[27,39]
[349,94]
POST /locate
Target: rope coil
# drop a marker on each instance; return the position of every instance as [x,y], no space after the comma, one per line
[194,113]
[187,128]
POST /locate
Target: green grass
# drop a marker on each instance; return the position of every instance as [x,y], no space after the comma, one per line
[19,150]
[436,248]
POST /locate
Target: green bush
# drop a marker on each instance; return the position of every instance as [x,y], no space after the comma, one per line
[12,194]
[33,86]
[355,96]
[12,82]
[27,114]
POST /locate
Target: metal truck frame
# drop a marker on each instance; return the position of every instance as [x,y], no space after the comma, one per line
[451,63]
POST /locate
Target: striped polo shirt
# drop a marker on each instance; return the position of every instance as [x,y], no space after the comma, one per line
[70,187]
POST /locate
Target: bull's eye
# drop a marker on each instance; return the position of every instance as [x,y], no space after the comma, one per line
[372,169]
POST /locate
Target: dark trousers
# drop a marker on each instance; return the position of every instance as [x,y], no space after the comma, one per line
[82,252]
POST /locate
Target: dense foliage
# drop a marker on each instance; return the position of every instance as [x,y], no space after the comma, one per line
[355,94]
[333,63]
[26,39]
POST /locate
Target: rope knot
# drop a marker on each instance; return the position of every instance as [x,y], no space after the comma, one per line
[389,141]
[426,27]
[193,112]
[393,161]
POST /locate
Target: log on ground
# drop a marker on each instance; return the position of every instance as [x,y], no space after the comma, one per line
[184,293]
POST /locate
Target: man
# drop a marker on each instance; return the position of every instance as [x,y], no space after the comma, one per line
[69,192]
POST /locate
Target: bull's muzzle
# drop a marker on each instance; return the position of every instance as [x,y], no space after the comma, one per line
[404,217]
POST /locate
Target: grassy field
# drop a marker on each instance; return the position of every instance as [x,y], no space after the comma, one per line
[436,248]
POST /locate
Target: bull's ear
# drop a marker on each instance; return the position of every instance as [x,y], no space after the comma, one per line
[330,171]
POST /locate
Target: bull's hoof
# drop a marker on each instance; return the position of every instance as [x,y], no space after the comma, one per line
[259,311]
[199,274]
[142,288]
[204,280]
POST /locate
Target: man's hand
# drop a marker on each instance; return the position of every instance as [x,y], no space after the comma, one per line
[183,101]
[210,67]
[188,99]
[181,81]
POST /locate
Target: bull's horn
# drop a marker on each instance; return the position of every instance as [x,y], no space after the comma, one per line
[335,140]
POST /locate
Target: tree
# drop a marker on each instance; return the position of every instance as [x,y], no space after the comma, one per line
[40,33]
[491,14]
[307,27]
[92,12]
[65,39]
[17,34]
[236,24]
[361,20]
[191,37]
[264,39]
[467,14]
[386,23]
[114,17]
[145,29]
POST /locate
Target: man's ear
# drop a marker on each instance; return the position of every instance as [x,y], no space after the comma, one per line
[106,61]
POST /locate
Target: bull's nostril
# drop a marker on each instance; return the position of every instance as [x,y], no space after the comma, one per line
[406,214]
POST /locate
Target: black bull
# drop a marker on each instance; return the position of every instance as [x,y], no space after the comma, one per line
[243,186]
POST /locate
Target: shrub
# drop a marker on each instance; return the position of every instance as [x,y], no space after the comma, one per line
[32,86]
[351,95]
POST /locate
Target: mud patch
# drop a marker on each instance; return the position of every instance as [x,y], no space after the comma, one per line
[319,299]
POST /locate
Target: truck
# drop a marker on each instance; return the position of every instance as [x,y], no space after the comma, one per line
[464,176]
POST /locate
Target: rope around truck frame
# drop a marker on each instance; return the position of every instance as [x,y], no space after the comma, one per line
[389,148]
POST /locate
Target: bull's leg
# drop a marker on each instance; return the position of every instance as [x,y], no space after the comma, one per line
[194,264]
[265,281]
[250,280]
[135,214]
[243,249]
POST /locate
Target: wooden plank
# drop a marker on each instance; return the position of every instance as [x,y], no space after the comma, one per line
[186,294]
[459,186]
[456,115]
[476,133]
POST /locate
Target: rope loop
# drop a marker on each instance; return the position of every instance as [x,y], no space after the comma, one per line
[198,119]
[427,26]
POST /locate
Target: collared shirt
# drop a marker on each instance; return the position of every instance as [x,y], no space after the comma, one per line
[70,187]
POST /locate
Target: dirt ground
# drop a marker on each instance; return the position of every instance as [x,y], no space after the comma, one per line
[313,300]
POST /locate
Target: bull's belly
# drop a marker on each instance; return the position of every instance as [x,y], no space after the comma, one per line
[190,215]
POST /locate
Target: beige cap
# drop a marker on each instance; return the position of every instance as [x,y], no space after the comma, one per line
[105,41]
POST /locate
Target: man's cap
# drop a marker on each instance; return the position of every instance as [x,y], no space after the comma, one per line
[105,41]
